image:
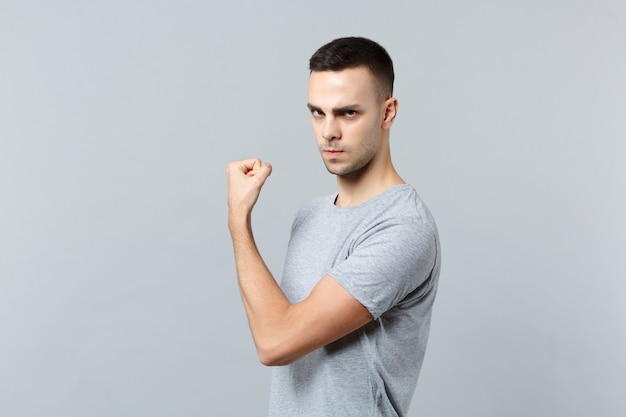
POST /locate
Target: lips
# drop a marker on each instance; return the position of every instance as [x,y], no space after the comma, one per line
[332,153]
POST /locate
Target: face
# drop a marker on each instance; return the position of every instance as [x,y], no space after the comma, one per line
[348,118]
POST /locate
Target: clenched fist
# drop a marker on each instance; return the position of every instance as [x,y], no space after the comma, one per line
[245,180]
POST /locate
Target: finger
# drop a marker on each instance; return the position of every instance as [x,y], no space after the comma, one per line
[267,169]
[244,166]
[256,165]
[263,172]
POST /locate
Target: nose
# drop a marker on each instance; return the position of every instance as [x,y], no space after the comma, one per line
[331,129]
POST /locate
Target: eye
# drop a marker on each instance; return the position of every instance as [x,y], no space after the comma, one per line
[350,114]
[316,113]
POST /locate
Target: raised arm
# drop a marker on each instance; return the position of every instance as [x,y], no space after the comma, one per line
[282,332]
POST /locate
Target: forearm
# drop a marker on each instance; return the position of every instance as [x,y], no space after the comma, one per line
[282,332]
[266,306]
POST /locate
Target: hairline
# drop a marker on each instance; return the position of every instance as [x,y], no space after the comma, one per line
[382,92]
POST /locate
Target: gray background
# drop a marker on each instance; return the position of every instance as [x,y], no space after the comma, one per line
[118,294]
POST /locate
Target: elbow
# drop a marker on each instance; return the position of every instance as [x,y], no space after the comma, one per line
[270,360]
[275,356]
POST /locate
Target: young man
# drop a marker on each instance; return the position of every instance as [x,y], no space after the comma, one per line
[349,323]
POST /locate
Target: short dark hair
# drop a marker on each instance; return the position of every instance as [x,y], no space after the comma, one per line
[351,52]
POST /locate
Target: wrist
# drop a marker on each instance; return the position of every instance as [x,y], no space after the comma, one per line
[238,219]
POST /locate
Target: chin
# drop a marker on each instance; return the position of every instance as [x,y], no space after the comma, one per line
[341,172]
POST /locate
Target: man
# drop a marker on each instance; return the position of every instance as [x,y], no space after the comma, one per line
[348,325]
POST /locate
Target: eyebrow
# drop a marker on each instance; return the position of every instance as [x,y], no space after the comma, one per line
[336,110]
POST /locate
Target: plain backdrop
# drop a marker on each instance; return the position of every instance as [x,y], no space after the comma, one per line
[118,293]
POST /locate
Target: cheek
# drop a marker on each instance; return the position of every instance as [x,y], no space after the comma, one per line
[369,130]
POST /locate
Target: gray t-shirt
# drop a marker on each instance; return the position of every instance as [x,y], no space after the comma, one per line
[385,252]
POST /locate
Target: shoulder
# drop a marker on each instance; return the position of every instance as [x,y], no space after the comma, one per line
[312,207]
[315,205]
[401,205]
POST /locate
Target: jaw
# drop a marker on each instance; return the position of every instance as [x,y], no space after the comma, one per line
[350,171]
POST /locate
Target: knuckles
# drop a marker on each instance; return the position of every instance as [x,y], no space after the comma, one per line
[247,173]
[247,167]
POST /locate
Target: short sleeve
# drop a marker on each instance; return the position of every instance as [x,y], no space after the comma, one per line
[389,261]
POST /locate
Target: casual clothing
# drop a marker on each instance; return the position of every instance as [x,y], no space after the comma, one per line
[385,252]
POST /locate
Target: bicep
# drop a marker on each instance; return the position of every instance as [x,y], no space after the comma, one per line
[333,311]
[327,314]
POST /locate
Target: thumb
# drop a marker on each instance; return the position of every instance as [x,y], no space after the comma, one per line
[260,174]
[264,172]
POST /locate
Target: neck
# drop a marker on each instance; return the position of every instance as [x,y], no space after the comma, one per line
[357,188]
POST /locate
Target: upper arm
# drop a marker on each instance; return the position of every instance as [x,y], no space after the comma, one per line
[389,262]
[327,314]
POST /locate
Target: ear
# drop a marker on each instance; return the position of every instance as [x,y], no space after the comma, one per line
[391,109]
